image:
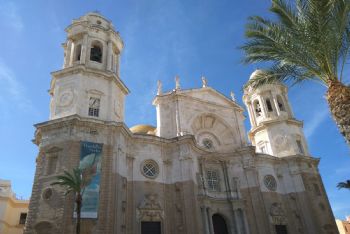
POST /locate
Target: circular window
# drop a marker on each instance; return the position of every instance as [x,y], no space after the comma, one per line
[208,144]
[47,194]
[150,169]
[270,182]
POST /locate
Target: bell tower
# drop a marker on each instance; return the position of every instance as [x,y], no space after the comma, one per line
[89,83]
[274,130]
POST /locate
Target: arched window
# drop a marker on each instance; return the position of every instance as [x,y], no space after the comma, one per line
[268,104]
[96,52]
[219,224]
[257,108]
[77,52]
[280,103]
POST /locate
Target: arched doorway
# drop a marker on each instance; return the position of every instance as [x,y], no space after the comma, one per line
[219,224]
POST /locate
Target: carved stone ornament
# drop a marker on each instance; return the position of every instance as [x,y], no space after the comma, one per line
[47,194]
[282,142]
[177,82]
[116,107]
[204,82]
[248,163]
[277,214]
[159,87]
[66,98]
[150,209]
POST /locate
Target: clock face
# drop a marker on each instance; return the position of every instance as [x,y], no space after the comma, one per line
[270,182]
[66,98]
[282,142]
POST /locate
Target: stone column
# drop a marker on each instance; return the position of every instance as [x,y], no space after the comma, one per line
[251,114]
[71,56]
[287,106]
[276,105]
[109,56]
[117,65]
[244,218]
[263,106]
[84,47]
[68,52]
[205,220]
[210,221]
[236,222]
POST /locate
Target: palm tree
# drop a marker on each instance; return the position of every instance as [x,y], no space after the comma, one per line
[344,185]
[73,182]
[310,40]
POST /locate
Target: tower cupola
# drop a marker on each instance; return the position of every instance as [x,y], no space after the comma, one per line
[267,103]
[89,84]
[274,130]
[92,41]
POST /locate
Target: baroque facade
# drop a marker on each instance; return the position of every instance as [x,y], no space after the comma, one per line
[195,172]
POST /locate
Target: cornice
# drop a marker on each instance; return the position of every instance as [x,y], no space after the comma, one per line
[76,120]
[182,94]
[264,124]
[82,69]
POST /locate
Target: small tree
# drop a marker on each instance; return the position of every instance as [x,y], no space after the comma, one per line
[73,182]
[345,185]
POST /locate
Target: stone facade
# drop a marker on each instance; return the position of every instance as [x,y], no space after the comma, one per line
[194,172]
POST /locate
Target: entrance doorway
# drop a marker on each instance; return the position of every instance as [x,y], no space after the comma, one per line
[281,229]
[150,228]
[219,224]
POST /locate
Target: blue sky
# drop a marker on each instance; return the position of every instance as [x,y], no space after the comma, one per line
[162,38]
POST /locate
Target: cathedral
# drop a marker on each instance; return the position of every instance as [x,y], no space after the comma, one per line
[193,173]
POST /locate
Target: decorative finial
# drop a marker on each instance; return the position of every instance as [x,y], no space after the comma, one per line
[177,82]
[204,82]
[233,96]
[159,87]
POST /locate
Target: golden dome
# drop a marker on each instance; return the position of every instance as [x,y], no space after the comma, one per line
[143,129]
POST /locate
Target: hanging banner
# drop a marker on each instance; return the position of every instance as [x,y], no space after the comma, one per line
[90,164]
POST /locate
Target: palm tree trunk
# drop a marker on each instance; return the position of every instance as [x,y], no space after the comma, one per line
[338,97]
[78,202]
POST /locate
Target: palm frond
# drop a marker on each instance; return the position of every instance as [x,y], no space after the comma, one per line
[71,181]
[310,36]
[285,13]
[344,185]
[280,73]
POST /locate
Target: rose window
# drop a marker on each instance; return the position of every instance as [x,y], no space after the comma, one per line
[150,169]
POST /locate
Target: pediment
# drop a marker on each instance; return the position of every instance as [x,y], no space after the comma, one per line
[210,95]
[96,92]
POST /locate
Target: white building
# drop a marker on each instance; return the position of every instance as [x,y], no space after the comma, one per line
[194,172]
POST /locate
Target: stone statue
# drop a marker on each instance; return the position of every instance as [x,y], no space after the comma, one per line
[276,209]
[159,87]
[177,82]
[233,96]
[204,82]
